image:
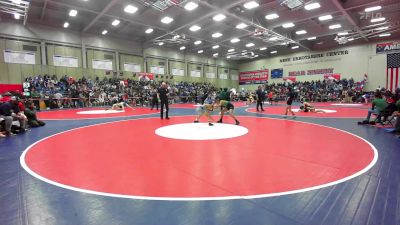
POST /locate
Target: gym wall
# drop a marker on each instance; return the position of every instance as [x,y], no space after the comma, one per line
[348,61]
[47,42]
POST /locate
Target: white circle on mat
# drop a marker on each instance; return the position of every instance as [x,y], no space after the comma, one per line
[91,112]
[201,131]
[324,110]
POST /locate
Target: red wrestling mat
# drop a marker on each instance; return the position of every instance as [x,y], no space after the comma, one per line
[193,105]
[91,113]
[339,112]
[127,159]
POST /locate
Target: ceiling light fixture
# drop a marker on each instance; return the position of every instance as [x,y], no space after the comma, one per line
[197,42]
[130,9]
[104,32]
[385,35]
[73,12]
[295,47]
[311,38]
[235,40]
[273,39]
[182,48]
[167,20]
[274,52]
[17,16]
[194,28]
[288,25]
[66,25]
[272,16]
[312,6]
[115,22]
[326,17]
[215,46]
[231,50]
[216,35]
[200,51]
[219,17]
[161,43]
[343,33]
[191,6]
[241,26]
[300,32]
[149,31]
[249,45]
[215,54]
[382,28]
[374,8]
[380,19]
[251,5]
[335,26]
[263,48]
[350,39]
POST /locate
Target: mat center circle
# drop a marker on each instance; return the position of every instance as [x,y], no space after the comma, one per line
[201,131]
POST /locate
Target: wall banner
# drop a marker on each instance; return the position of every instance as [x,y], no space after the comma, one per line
[253,77]
[388,47]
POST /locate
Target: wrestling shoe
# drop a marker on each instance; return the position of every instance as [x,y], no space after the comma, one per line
[210,124]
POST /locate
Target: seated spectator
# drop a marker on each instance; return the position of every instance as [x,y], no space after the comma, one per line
[9,111]
[30,113]
[378,105]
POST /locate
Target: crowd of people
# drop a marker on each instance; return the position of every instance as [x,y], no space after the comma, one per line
[68,92]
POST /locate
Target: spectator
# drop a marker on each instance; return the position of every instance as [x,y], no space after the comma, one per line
[30,113]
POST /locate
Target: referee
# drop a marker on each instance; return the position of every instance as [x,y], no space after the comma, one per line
[163,94]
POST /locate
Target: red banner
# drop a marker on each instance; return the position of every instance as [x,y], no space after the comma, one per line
[10,87]
[292,79]
[146,76]
[332,76]
[254,77]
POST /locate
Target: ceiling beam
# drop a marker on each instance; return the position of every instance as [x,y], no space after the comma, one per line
[99,15]
[43,9]
[349,18]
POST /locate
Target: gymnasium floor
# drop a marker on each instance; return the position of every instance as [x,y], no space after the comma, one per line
[133,168]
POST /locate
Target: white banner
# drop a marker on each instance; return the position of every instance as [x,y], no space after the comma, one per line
[157,70]
[19,57]
[101,64]
[130,67]
[210,75]
[178,72]
[65,61]
[223,76]
[195,73]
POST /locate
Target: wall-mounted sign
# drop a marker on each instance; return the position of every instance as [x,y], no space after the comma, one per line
[195,73]
[315,56]
[19,57]
[210,75]
[277,73]
[253,77]
[310,72]
[178,72]
[65,61]
[388,47]
[223,76]
[101,64]
[131,67]
[146,76]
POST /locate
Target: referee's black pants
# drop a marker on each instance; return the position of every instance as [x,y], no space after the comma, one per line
[164,102]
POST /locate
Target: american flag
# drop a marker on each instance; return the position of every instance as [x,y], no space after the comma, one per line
[392,72]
